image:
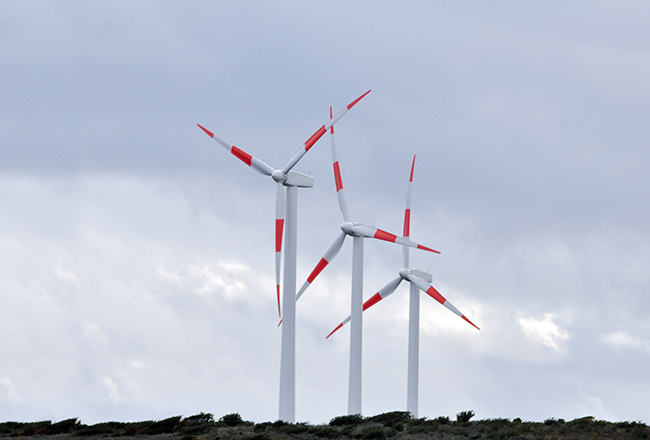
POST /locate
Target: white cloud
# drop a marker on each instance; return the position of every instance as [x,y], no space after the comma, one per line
[9,390]
[545,331]
[622,340]
[111,387]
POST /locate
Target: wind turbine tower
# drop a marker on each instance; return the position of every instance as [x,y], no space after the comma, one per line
[419,280]
[287,184]
[358,232]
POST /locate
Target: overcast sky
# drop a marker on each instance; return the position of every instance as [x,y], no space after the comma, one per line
[136,256]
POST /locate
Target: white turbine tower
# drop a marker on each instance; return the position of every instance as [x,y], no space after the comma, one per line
[419,280]
[358,231]
[286,205]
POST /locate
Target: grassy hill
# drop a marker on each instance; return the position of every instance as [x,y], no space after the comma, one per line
[394,425]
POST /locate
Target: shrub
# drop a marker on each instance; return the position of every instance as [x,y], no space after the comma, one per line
[231,420]
[464,416]
[32,428]
[261,427]
[371,433]
[165,426]
[295,428]
[62,427]
[325,432]
[351,419]
[390,419]
[200,418]
[442,420]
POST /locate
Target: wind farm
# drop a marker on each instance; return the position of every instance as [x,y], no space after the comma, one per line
[286,209]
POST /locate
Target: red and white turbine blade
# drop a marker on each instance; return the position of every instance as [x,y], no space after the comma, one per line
[317,135]
[332,252]
[338,181]
[423,285]
[383,293]
[407,215]
[280,204]
[372,232]
[253,162]
[345,321]
[407,212]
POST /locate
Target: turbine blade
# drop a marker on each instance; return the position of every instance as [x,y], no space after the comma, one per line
[317,135]
[338,181]
[253,162]
[423,285]
[372,232]
[407,215]
[383,293]
[407,212]
[327,259]
[280,204]
[345,321]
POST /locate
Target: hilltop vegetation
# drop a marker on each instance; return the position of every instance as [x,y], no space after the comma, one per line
[393,425]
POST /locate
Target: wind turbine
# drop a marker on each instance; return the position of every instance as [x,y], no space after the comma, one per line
[358,231]
[419,280]
[286,208]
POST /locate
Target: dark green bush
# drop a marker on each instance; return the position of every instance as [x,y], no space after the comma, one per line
[29,429]
[62,427]
[165,426]
[350,419]
[325,432]
[261,427]
[100,429]
[464,416]
[200,418]
[442,420]
[372,433]
[295,428]
[390,419]
[231,420]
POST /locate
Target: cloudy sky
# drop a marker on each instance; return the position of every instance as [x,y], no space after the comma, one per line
[136,257]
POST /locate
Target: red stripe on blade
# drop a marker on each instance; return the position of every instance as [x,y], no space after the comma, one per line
[407,222]
[470,322]
[383,235]
[412,168]
[339,326]
[208,132]
[314,137]
[424,248]
[332,127]
[279,227]
[357,100]
[374,299]
[337,177]
[433,293]
[318,269]
[242,155]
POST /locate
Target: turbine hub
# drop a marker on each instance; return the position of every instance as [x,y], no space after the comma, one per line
[347,228]
[278,176]
[404,273]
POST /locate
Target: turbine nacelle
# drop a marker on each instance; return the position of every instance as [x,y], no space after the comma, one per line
[404,273]
[348,228]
